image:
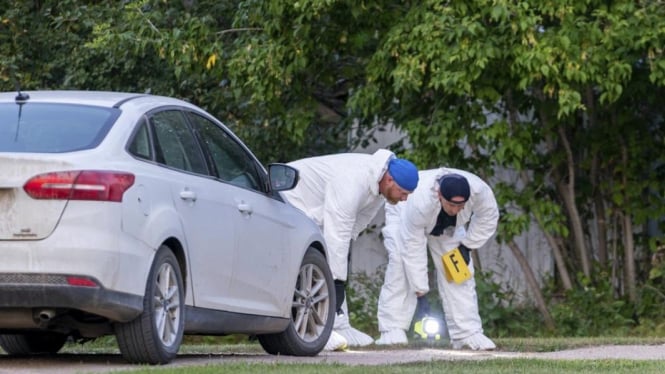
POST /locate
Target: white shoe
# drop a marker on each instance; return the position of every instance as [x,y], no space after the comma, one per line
[354,337]
[391,337]
[336,342]
[475,342]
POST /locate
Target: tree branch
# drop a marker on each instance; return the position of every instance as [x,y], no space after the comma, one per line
[227,31]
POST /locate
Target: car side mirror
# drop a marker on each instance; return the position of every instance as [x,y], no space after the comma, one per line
[282,177]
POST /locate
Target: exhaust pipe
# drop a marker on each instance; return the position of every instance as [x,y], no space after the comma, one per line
[46,315]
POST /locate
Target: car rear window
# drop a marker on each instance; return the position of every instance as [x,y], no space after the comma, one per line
[53,128]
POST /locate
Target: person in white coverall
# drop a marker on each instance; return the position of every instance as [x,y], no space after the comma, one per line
[342,193]
[450,209]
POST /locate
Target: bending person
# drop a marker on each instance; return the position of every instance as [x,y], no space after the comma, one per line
[342,193]
[450,208]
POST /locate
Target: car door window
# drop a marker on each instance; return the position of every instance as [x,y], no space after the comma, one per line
[232,162]
[175,144]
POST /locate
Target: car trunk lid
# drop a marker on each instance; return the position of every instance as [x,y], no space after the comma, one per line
[21,216]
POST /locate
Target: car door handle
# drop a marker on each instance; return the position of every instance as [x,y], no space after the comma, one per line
[188,195]
[245,208]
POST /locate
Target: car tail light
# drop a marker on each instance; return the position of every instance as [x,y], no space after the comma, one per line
[80,185]
[81,282]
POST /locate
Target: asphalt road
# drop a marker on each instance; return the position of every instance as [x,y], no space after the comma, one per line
[105,363]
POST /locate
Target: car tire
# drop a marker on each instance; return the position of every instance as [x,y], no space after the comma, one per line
[312,312]
[154,337]
[33,343]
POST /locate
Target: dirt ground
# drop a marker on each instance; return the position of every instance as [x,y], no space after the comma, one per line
[102,363]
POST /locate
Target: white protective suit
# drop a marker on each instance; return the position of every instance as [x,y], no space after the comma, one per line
[407,237]
[340,193]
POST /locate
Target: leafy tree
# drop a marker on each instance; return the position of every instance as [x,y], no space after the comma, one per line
[47,45]
[547,91]
[180,49]
[553,92]
[237,72]
[564,97]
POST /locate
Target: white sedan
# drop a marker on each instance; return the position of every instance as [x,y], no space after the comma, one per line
[145,217]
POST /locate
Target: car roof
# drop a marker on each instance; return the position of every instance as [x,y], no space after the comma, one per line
[98,98]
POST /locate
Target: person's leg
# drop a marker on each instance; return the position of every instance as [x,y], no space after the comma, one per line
[396,303]
[342,326]
[459,301]
[353,336]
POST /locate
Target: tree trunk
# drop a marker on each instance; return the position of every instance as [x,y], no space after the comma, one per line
[559,262]
[599,211]
[601,227]
[594,178]
[616,280]
[629,257]
[533,284]
[629,245]
[567,191]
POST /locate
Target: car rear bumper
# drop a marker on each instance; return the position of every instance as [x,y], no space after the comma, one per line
[34,277]
[117,262]
[50,292]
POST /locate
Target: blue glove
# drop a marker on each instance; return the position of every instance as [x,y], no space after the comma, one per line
[466,253]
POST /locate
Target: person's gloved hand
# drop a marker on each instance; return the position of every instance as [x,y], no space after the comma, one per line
[339,295]
[422,308]
[466,253]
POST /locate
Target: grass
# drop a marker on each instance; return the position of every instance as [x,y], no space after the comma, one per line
[558,344]
[493,366]
[497,366]
[108,345]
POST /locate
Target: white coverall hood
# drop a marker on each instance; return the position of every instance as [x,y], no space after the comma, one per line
[340,193]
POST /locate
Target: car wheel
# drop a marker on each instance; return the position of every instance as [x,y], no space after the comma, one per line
[312,311]
[154,337]
[33,343]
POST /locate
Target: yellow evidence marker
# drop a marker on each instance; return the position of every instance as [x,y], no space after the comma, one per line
[455,268]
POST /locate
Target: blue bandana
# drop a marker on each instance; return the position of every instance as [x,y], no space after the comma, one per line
[404,173]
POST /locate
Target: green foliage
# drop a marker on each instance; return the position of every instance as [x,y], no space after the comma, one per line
[592,310]
[588,311]
[548,93]
[362,299]
[182,49]
[649,307]
[551,93]
[501,314]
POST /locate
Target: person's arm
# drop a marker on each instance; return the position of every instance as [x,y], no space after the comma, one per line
[484,219]
[340,211]
[414,220]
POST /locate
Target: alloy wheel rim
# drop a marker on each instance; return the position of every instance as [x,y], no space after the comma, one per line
[310,303]
[167,305]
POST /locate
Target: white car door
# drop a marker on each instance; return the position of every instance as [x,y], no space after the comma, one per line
[261,253]
[207,211]
[260,263]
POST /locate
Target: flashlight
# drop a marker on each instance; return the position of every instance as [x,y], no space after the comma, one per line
[428,328]
[431,326]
